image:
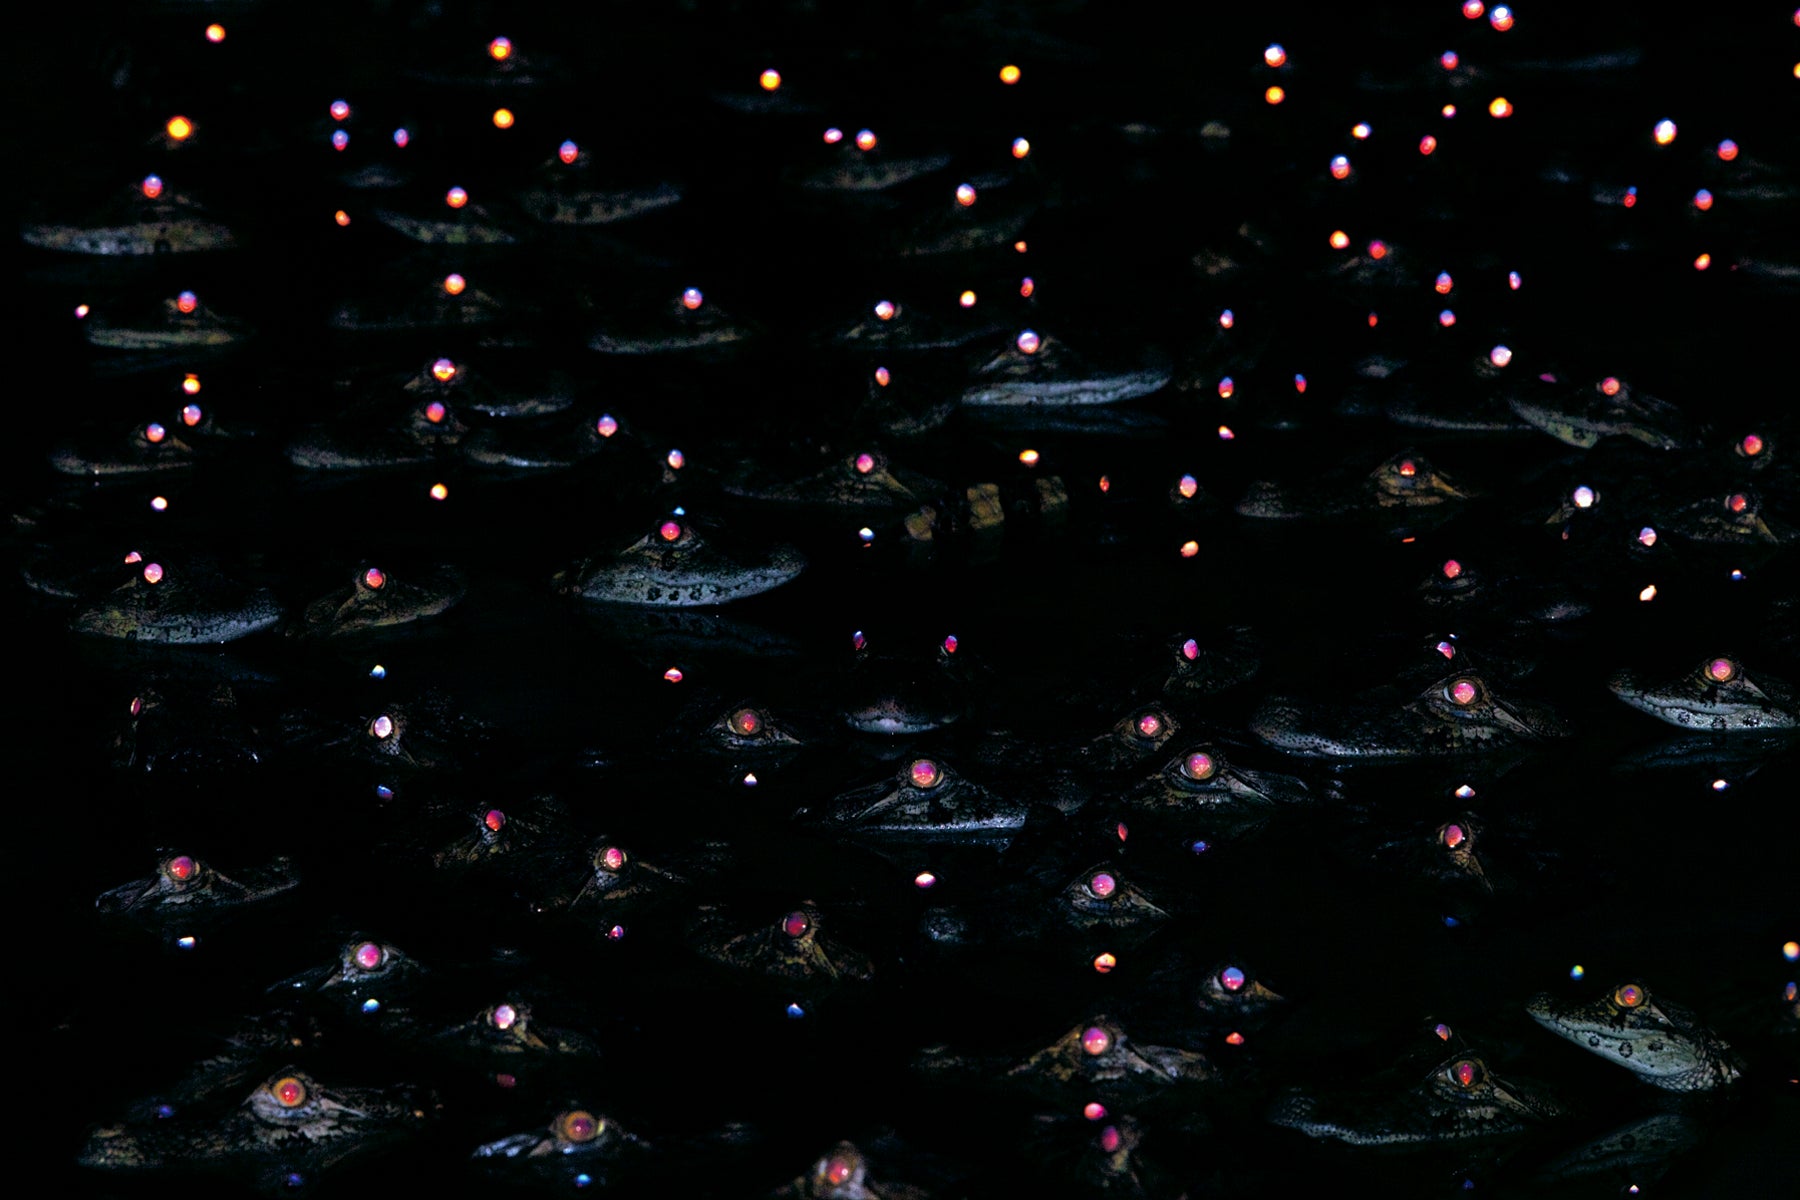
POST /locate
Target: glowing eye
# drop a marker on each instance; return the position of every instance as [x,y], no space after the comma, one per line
[1095,1040]
[132,556]
[1442,1031]
[1102,885]
[669,531]
[612,859]
[456,197]
[340,140]
[1751,446]
[289,1092]
[885,310]
[865,140]
[1452,836]
[1190,549]
[967,299]
[1646,536]
[454,284]
[341,217]
[1443,283]
[568,152]
[153,572]
[1500,356]
[838,1170]
[1232,979]
[1447,649]
[1274,95]
[1473,9]
[439,492]
[154,433]
[1501,18]
[1466,1073]
[1630,200]
[434,412]
[833,136]
[1500,106]
[1360,131]
[924,879]
[1275,56]
[1427,144]
[1664,132]
[691,298]
[1448,60]
[1028,342]
[1339,239]
[924,773]
[950,643]
[1408,468]
[1629,996]
[500,49]
[1187,486]
[381,727]
[965,194]
[1149,724]
[1198,765]
[503,1016]
[581,1126]
[368,955]
[746,722]
[1226,387]
[676,460]
[1190,650]
[215,33]
[795,924]
[494,820]
[1110,1137]
[1737,502]
[1721,670]
[340,110]
[443,370]
[1009,74]
[401,137]
[191,385]
[181,868]
[374,578]
[1104,963]
[1583,497]
[152,186]
[1020,148]
[1463,692]
[1378,250]
[606,426]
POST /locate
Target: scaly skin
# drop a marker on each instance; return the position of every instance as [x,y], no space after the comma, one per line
[1661,1042]
[1582,414]
[1717,695]
[185,606]
[1457,1101]
[679,572]
[924,801]
[1431,724]
[377,600]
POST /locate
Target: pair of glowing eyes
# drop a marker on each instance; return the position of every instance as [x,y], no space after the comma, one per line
[579,1126]
[288,1091]
[181,869]
[1721,670]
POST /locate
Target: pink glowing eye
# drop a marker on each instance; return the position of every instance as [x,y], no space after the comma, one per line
[374,578]
[1093,1110]
[154,433]
[1447,649]
[137,705]
[340,110]
[612,858]
[924,773]
[865,140]
[503,1016]
[1448,60]
[1452,568]
[1466,1073]
[434,412]
[1149,724]
[1378,250]
[454,285]
[1452,836]
[339,139]
[795,924]
[1500,356]
[382,727]
[1190,650]
[1721,670]
[882,376]
[181,868]
[1028,342]
[1095,1040]
[290,1093]
[833,136]
[1102,885]
[443,370]
[691,298]
[494,820]
[456,197]
[1199,765]
[965,194]
[865,463]
[1583,497]
[1232,979]
[606,426]
[1463,692]
[669,531]
[1610,385]
[368,956]
[1751,446]
[950,643]
[885,310]
[1110,1138]
[1646,536]
[1737,502]
[838,1171]
[153,572]
[1408,468]
[568,152]
[1187,486]
[190,415]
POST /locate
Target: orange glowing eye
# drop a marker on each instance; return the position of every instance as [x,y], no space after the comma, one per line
[454,284]
[1274,95]
[456,197]
[191,385]
[443,370]
[1095,1040]
[1463,693]
[1500,356]
[1199,765]
[923,773]
[1189,549]
[1009,74]
[1721,670]
[746,722]
[1610,385]
[882,376]
[215,33]
[581,1126]
[152,186]
[1500,107]
[154,433]
[1029,457]
[1378,250]
[1629,996]
[1339,239]
[1664,133]
[1408,468]
[341,217]
[669,531]
[1275,56]
[1466,1073]
[434,412]
[1751,446]
[966,300]
[1703,261]
[1737,502]
[179,128]
[503,118]
[676,460]
[374,578]
[381,728]
[865,140]
[500,49]
[770,80]
[289,1092]
[1020,148]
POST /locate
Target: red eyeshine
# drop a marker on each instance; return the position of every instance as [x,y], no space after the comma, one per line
[181,868]
[368,956]
[1232,979]
[1465,1073]
[924,773]
[1103,885]
[1095,1040]
[494,819]
[290,1092]
[795,924]
[612,858]
[1453,836]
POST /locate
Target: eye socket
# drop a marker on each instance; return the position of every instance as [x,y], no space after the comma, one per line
[1721,670]
[1101,885]
[864,463]
[1750,446]
[838,1169]
[1407,468]
[1095,1041]
[374,579]
[746,722]
[923,773]
[1233,979]
[1737,502]
[1149,724]
[369,956]
[1462,692]
[1199,766]
[494,820]
[381,728]
[579,1126]
[1629,995]
[288,1091]
[154,433]
[181,869]
[1466,1073]
[610,859]
[796,924]
[1452,835]
[503,1016]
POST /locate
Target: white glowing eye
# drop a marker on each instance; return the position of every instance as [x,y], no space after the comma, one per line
[885,310]
[381,727]
[965,194]
[1020,148]
[691,299]
[1028,342]
[1275,56]
[865,140]
[1501,18]
[1664,132]
[340,110]
[1360,131]
[1583,497]
[191,385]
[966,300]
[568,152]
[833,136]
[1339,239]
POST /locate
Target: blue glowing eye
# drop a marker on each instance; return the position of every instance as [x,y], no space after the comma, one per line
[680,512]
[383,792]
[165,1111]
[1200,847]
[583,1179]
[294,1179]
[187,943]
[401,137]
[371,1005]
[339,139]
[377,672]
[795,1012]
[1451,922]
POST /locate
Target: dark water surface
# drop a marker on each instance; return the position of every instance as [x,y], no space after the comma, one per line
[1653,874]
